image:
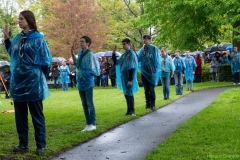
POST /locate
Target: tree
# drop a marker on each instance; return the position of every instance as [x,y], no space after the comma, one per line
[191,24]
[67,21]
[119,15]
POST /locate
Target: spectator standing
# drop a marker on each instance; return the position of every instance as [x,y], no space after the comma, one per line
[150,66]
[235,64]
[214,68]
[224,59]
[72,74]
[6,78]
[112,73]
[87,66]
[208,59]
[64,76]
[179,72]
[55,74]
[198,71]
[126,68]
[105,71]
[167,72]
[30,61]
[190,70]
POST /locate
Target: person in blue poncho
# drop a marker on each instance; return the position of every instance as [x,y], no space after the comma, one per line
[190,70]
[64,76]
[126,70]
[234,58]
[30,62]
[224,59]
[179,72]
[150,66]
[167,72]
[87,66]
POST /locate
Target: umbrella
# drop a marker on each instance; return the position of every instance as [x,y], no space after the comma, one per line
[61,59]
[55,59]
[98,54]
[3,65]
[214,48]
[109,54]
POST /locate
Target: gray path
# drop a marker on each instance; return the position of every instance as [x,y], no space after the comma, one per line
[136,139]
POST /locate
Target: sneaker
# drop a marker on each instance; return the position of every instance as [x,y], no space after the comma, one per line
[86,128]
[133,114]
[20,149]
[192,90]
[40,151]
[91,128]
[234,83]
[238,83]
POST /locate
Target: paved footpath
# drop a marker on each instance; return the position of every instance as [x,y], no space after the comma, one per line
[136,139]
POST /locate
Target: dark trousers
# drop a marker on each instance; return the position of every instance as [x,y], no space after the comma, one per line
[236,77]
[198,78]
[72,80]
[149,92]
[130,104]
[113,82]
[21,118]
[214,76]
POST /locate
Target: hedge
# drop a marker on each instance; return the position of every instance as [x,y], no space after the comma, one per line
[225,73]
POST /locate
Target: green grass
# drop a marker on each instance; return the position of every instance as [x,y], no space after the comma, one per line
[65,119]
[211,134]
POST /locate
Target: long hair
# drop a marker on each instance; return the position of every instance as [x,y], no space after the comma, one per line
[30,18]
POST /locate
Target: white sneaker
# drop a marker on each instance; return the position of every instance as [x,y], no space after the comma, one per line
[91,128]
[234,83]
[86,128]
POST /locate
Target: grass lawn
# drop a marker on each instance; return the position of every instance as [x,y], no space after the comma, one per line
[211,134]
[65,119]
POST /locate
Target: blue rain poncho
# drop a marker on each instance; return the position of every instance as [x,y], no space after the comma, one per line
[179,64]
[126,62]
[190,67]
[28,82]
[224,60]
[149,63]
[235,62]
[167,66]
[64,72]
[87,66]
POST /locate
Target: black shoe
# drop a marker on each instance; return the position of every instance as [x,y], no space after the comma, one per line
[148,106]
[40,151]
[153,108]
[20,149]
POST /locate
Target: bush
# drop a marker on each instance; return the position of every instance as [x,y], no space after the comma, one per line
[225,73]
[206,75]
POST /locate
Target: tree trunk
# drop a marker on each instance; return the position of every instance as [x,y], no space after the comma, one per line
[236,41]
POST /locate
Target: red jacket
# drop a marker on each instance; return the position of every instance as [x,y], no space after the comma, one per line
[199,64]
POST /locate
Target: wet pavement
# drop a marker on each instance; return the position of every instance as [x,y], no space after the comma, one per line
[136,139]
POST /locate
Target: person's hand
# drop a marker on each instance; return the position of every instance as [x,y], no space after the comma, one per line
[114,49]
[6,32]
[129,84]
[182,75]
[193,72]
[133,47]
[72,48]
[172,75]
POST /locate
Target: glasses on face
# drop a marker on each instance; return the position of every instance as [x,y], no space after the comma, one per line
[82,41]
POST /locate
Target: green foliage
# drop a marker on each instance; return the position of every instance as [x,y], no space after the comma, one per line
[225,73]
[3,54]
[190,24]
[206,75]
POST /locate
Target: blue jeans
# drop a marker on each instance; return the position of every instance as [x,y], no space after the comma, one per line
[165,85]
[105,80]
[56,82]
[88,106]
[149,91]
[21,119]
[189,84]
[178,82]
[65,86]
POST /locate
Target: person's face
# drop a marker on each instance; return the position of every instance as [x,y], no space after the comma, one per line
[83,43]
[7,69]
[22,22]
[177,54]
[235,49]
[188,53]
[163,52]
[146,41]
[125,46]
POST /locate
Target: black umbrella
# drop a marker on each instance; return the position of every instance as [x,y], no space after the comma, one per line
[214,49]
